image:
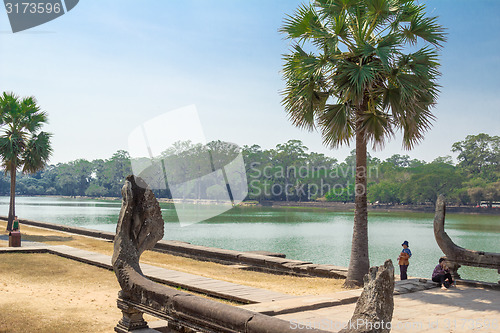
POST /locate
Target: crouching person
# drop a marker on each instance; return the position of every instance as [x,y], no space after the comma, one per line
[442,275]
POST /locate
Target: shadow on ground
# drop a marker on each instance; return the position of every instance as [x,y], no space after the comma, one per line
[476,299]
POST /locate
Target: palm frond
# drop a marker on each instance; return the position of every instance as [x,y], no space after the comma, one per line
[337,123]
[298,25]
[306,89]
[426,28]
[377,127]
[11,147]
[423,63]
[353,78]
[335,8]
[414,125]
[37,153]
[303,101]
[378,11]
[301,65]
[387,47]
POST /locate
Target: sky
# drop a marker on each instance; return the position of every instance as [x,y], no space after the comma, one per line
[106,67]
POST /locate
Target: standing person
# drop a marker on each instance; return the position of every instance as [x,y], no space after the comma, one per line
[15,224]
[442,275]
[403,260]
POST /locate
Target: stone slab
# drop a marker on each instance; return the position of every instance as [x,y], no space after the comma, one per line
[268,254]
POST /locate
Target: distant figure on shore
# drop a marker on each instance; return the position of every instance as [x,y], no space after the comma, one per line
[442,275]
[15,224]
[403,260]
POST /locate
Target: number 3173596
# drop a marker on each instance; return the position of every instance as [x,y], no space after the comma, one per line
[33,8]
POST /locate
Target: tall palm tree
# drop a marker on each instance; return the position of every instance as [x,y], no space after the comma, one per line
[361,70]
[22,143]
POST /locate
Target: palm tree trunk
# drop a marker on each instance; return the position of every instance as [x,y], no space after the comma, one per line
[359,263]
[12,204]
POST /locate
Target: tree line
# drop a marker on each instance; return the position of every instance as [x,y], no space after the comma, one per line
[475,179]
[289,172]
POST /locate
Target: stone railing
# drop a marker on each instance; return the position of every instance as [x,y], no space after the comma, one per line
[456,255]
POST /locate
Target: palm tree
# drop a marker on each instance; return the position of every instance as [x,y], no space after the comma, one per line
[361,70]
[22,143]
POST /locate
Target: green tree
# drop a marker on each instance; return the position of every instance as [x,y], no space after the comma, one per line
[358,83]
[429,181]
[479,155]
[341,194]
[82,172]
[22,143]
[492,193]
[65,179]
[111,173]
[95,190]
[288,158]
[384,192]
[399,161]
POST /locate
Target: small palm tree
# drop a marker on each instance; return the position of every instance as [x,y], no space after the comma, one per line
[361,70]
[22,143]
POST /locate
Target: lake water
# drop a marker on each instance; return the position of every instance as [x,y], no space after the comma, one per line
[316,235]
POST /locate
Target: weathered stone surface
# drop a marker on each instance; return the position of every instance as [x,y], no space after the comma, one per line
[268,254]
[295,305]
[139,227]
[275,262]
[336,268]
[222,317]
[264,324]
[375,306]
[304,268]
[292,263]
[337,274]
[198,252]
[251,258]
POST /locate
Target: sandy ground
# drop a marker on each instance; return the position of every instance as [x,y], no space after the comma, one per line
[47,293]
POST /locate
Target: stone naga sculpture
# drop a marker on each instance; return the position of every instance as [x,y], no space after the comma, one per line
[140,226]
[456,255]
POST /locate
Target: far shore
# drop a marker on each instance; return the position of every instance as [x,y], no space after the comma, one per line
[320,204]
[349,207]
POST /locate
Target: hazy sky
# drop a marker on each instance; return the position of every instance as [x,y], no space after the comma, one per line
[108,66]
